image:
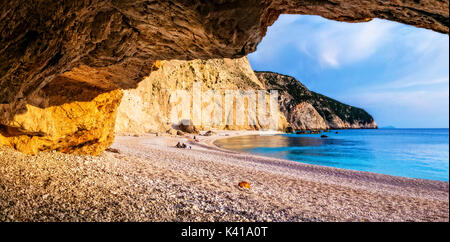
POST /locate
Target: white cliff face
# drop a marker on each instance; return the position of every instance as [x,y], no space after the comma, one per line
[139,111]
[149,107]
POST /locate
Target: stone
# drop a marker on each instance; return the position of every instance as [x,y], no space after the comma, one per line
[244,184]
[113,150]
[188,128]
[172,131]
[289,130]
[209,133]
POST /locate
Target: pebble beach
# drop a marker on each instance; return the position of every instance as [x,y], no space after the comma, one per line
[145,178]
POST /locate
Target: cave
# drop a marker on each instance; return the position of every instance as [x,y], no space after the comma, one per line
[64,64]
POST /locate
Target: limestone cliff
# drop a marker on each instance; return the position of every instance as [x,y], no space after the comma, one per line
[305,109]
[148,107]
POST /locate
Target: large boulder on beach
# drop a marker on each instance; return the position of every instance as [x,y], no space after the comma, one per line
[188,128]
[209,133]
[289,130]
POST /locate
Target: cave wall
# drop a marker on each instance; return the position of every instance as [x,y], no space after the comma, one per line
[112,44]
[64,116]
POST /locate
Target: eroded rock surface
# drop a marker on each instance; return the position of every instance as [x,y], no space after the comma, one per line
[304,117]
[113,43]
[65,116]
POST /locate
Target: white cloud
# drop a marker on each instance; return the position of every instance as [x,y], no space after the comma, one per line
[330,57]
[407,83]
[338,44]
[330,43]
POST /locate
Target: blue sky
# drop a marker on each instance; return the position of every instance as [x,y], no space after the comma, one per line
[398,73]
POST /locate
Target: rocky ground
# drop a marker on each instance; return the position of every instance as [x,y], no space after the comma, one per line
[147,179]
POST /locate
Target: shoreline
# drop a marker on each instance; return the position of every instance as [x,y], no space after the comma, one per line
[340,172]
[147,179]
[212,143]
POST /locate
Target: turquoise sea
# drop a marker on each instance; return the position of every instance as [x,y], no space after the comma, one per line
[414,153]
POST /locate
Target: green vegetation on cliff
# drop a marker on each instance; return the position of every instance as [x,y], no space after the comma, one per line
[336,114]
